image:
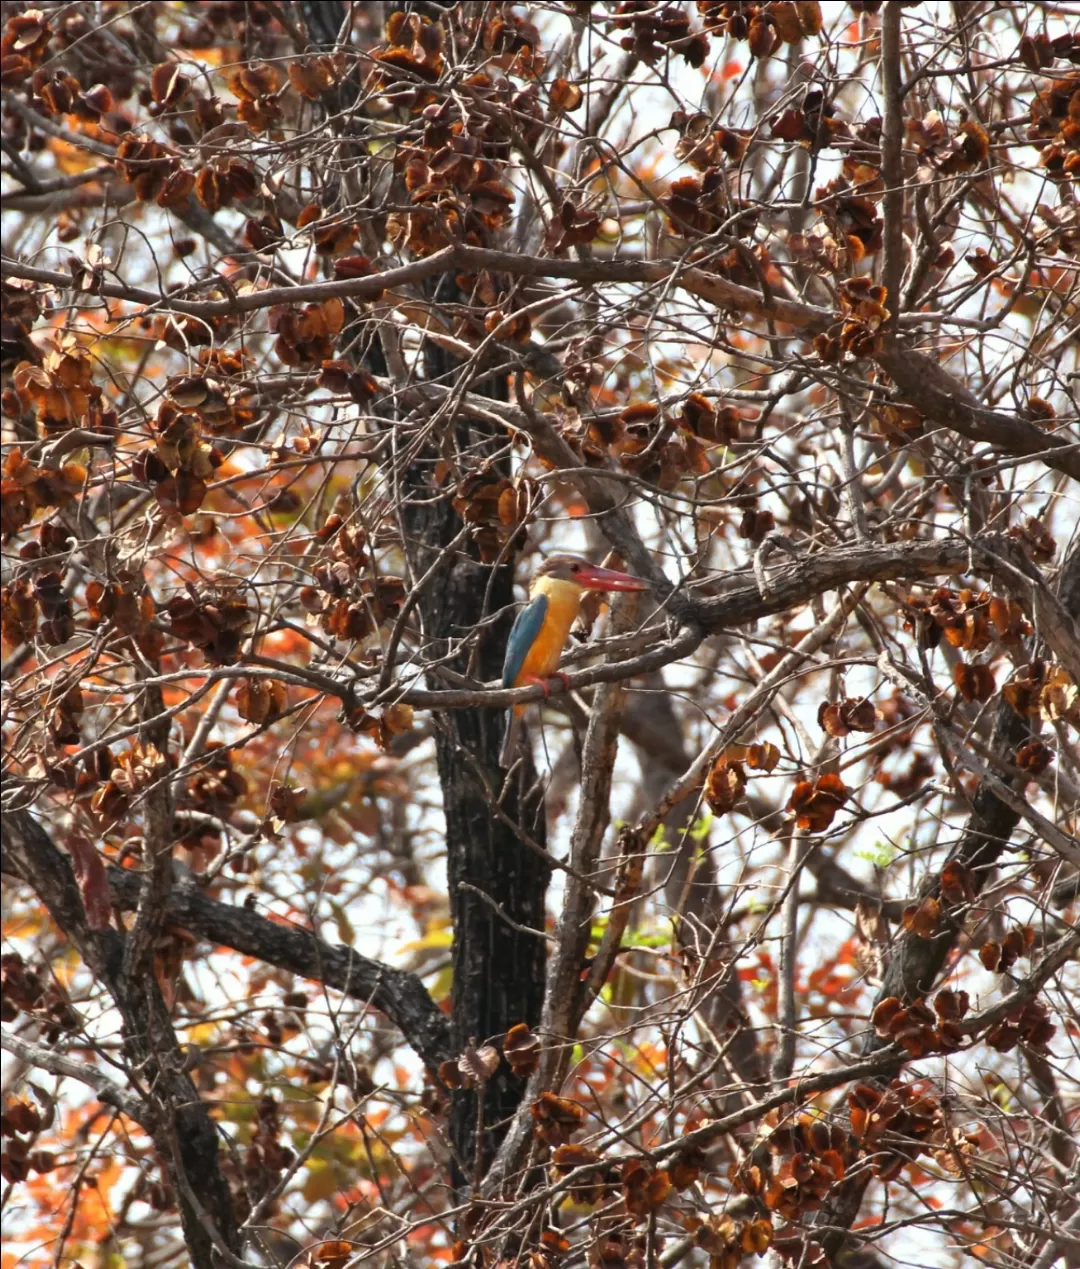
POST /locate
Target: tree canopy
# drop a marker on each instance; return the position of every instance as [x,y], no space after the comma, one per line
[323,324]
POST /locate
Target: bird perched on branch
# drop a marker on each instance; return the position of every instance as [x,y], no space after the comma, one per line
[543,626]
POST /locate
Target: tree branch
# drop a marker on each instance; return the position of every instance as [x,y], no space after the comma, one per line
[916,961]
[946,402]
[739,602]
[920,380]
[176,1112]
[395,992]
[892,141]
[565,995]
[106,1089]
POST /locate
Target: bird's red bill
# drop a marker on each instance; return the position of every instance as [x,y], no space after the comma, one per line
[595,578]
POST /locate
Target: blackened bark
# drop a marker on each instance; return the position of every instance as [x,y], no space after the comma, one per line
[323,19]
[498,970]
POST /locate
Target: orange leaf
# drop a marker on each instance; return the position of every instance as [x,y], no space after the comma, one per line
[816,803]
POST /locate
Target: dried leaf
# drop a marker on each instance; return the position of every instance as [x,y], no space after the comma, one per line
[92,879]
[815,803]
[477,1066]
[725,785]
[556,1118]
[974,682]
[922,919]
[871,937]
[521,1048]
[566,96]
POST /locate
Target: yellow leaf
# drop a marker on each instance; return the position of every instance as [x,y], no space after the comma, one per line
[321,1181]
[70,159]
[439,934]
[211,55]
[345,931]
[203,1034]
[444,982]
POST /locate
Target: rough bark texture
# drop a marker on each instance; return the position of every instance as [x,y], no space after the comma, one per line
[179,1123]
[498,969]
[396,992]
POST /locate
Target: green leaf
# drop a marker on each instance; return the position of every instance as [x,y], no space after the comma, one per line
[699,829]
[881,854]
[659,840]
[643,938]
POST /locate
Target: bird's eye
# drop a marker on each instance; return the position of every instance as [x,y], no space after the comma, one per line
[575,568]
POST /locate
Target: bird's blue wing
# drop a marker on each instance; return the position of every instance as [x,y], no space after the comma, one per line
[529,623]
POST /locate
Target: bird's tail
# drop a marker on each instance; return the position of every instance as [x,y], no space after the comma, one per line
[510,740]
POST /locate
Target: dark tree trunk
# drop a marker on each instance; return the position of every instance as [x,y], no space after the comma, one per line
[498,970]
[183,1132]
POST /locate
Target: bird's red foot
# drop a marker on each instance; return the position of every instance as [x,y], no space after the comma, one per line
[564,679]
[546,683]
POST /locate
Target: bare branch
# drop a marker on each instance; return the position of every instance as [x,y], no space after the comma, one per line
[107,1090]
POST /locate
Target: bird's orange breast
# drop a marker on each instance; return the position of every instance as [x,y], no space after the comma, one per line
[564,604]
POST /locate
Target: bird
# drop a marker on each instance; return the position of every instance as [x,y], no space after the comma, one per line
[542,627]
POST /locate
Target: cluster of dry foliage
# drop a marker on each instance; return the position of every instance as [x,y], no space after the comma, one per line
[322,322]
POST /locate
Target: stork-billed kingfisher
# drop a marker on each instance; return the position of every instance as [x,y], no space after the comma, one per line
[543,626]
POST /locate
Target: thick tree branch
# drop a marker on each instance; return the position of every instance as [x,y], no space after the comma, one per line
[176,1112]
[892,141]
[365,288]
[920,380]
[924,383]
[396,992]
[157,849]
[565,996]
[738,603]
[554,341]
[1057,957]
